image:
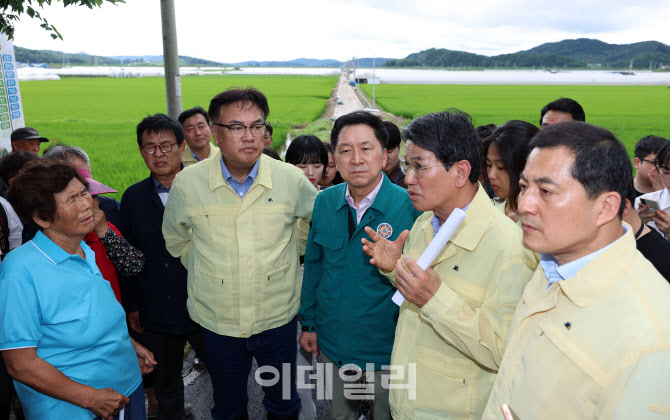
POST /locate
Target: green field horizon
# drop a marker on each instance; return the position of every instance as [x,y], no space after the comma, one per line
[630,112]
[100,114]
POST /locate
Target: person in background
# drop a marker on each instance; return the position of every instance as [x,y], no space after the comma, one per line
[649,242]
[392,167]
[245,298]
[561,110]
[267,136]
[455,319]
[269,151]
[484,131]
[63,335]
[331,176]
[112,252]
[10,166]
[26,139]
[344,297]
[155,300]
[198,136]
[589,337]
[309,154]
[506,152]
[658,219]
[646,177]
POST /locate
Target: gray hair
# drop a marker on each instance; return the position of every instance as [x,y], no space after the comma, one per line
[66,153]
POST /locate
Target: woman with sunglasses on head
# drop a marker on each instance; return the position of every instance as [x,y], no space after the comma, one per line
[655,206]
[506,152]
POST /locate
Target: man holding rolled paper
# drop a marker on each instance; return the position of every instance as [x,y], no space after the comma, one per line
[455,318]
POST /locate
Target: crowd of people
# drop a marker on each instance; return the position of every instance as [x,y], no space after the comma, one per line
[549,300]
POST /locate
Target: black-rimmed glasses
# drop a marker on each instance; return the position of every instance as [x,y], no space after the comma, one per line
[238,130]
[150,149]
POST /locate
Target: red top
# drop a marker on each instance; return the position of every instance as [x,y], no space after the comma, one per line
[105,265]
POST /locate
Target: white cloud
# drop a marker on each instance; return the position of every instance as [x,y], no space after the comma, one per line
[271,30]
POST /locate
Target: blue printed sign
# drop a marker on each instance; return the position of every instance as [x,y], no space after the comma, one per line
[9,75]
[12,91]
[11,82]
[16,115]
[13,99]
[8,66]
[14,107]
[7,58]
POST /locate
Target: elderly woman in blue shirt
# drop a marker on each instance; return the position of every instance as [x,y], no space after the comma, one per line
[63,335]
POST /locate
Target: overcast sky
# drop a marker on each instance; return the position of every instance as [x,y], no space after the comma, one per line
[234,31]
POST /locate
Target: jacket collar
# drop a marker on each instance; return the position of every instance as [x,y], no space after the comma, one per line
[381,201]
[216,179]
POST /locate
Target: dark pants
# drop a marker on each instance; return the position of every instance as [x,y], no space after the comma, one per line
[230,360]
[168,351]
[134,410]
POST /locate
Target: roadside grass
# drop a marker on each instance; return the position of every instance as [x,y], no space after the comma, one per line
[100,114]
[630,112]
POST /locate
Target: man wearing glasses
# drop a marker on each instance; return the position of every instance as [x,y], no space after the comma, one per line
[646,180]
[155,301]
[456,315]
[654,207]
[239,222]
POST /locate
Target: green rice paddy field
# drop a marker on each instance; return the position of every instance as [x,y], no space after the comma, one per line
[100,114]
[630,112]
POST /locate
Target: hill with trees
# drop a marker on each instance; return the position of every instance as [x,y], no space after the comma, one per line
[571,53]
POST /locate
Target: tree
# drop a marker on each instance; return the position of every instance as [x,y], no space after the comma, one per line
[11,11]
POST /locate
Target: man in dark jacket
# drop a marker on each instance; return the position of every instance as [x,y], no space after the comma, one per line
[156,300]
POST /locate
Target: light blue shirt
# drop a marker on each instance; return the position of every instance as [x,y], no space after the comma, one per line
[437,224]
[59,304]
[240,188]
[555,272]
[197,159]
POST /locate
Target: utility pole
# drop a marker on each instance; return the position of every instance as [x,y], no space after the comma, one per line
[374,83]
[171,59]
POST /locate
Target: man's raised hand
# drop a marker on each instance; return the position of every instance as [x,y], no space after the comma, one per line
[384,253]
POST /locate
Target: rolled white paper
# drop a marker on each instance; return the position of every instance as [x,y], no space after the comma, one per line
[122,413]
[435,246]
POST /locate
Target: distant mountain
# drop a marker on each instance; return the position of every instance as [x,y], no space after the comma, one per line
[310,62]
[571,53]
[25,55]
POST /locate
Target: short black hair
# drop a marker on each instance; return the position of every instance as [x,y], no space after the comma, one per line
[663,155]
[601,161]
[648,145]
[451,136]
[568,105]
[511,141]
[248,96]
[159,123]
[191,112]
[485,130]
[394,135]
[11,165]
[33,191]
[359,117]
[269,151]
[307,148]
[268,128]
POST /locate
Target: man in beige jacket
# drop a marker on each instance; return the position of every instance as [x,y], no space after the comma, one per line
[590,338]
[454,322]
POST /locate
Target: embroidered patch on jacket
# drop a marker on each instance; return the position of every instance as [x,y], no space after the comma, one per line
[456,268]
[269,200]
[385,230]
[568,325]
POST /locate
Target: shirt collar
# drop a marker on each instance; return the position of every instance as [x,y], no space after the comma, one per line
[55,253]
[555,272]
[368,200]
[228,177]
[197,159]
[437,225]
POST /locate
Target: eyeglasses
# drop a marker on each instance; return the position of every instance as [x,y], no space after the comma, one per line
[415,168]
[165,147]
[653,162]
[238,130]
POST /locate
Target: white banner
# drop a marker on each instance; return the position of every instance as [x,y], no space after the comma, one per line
[11,106]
